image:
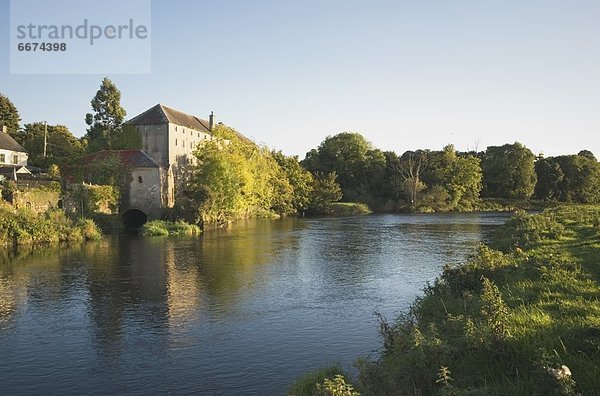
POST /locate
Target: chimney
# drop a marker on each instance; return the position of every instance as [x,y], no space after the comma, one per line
[211,121]
[4,130]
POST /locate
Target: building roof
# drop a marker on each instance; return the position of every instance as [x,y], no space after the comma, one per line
[8,143]
[161,114]
[131,158]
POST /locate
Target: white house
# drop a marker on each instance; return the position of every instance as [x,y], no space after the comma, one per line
[11,152]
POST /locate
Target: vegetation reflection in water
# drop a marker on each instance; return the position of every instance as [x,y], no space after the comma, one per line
[244,309]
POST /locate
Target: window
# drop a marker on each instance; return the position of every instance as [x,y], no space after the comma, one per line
[146,127]
[198,135]
[175,128]
[15,159]
[140,179]
[175,142]
[191,133]
[191,145]
[2,158]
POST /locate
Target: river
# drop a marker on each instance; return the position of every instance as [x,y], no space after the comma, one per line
[243,310]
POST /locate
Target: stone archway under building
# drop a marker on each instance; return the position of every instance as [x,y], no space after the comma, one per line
[134,219]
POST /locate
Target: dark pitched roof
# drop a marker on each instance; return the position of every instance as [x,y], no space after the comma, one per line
[161,114]
[132,158]
[8,143]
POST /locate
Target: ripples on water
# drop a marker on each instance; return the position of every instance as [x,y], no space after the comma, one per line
[237,311]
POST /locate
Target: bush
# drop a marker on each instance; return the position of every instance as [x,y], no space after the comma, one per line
[22,227]
[524,230]
[168,228]
[309,384]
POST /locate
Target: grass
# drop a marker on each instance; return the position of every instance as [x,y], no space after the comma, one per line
[168,228]
[506,321]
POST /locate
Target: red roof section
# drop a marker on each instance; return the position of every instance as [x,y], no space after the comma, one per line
[129,158]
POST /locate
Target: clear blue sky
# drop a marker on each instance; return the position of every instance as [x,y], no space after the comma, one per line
[405,74]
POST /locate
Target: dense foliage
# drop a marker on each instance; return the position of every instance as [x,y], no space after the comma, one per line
[569,178]
[62,147]
[9,115]
[509,172]
[22,227]
[520,320]
[235,178]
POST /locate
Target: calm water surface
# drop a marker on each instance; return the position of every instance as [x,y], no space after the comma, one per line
[239,311]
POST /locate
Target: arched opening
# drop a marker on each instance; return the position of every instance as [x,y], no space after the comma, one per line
[134,219]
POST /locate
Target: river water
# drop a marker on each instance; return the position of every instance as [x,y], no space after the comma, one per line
[244,310]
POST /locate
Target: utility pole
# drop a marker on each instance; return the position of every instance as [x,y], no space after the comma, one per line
[45,137]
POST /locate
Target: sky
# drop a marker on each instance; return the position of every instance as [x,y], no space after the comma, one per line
[405,74]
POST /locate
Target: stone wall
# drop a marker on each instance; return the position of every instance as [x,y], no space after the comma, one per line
[38,200]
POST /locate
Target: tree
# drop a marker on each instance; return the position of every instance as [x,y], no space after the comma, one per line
[105,123]
[359,166]
[326,190]
[549,179]
[234,178]
[9,115]
[508,172]
[412,165]
[61,146]
[129,138]
[300,180]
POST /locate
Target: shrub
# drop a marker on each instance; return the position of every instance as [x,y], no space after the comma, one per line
[308,384]
[166,228]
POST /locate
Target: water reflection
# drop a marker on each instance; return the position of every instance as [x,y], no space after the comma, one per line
[236,311]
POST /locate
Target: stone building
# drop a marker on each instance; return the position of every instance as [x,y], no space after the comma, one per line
[170,137]
[141,185]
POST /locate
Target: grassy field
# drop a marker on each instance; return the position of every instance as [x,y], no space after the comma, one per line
[520,317]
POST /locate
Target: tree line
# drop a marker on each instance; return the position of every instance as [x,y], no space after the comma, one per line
[447,180]
[235,178]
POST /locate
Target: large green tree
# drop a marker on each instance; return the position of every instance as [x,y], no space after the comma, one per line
[359,166]
[234,178]
[9,115]
[454,180]
[105,123]
[62,147]
[569,178]
[300,180]
[508,172]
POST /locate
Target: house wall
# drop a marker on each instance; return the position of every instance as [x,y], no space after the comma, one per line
[155,142]
[8,157]
[183,142]
[145,191]
[172,147]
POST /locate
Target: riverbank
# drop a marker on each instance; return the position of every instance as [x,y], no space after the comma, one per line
[25,227]
[522,316]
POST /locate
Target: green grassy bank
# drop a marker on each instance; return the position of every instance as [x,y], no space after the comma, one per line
[25,227]
[520,317]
